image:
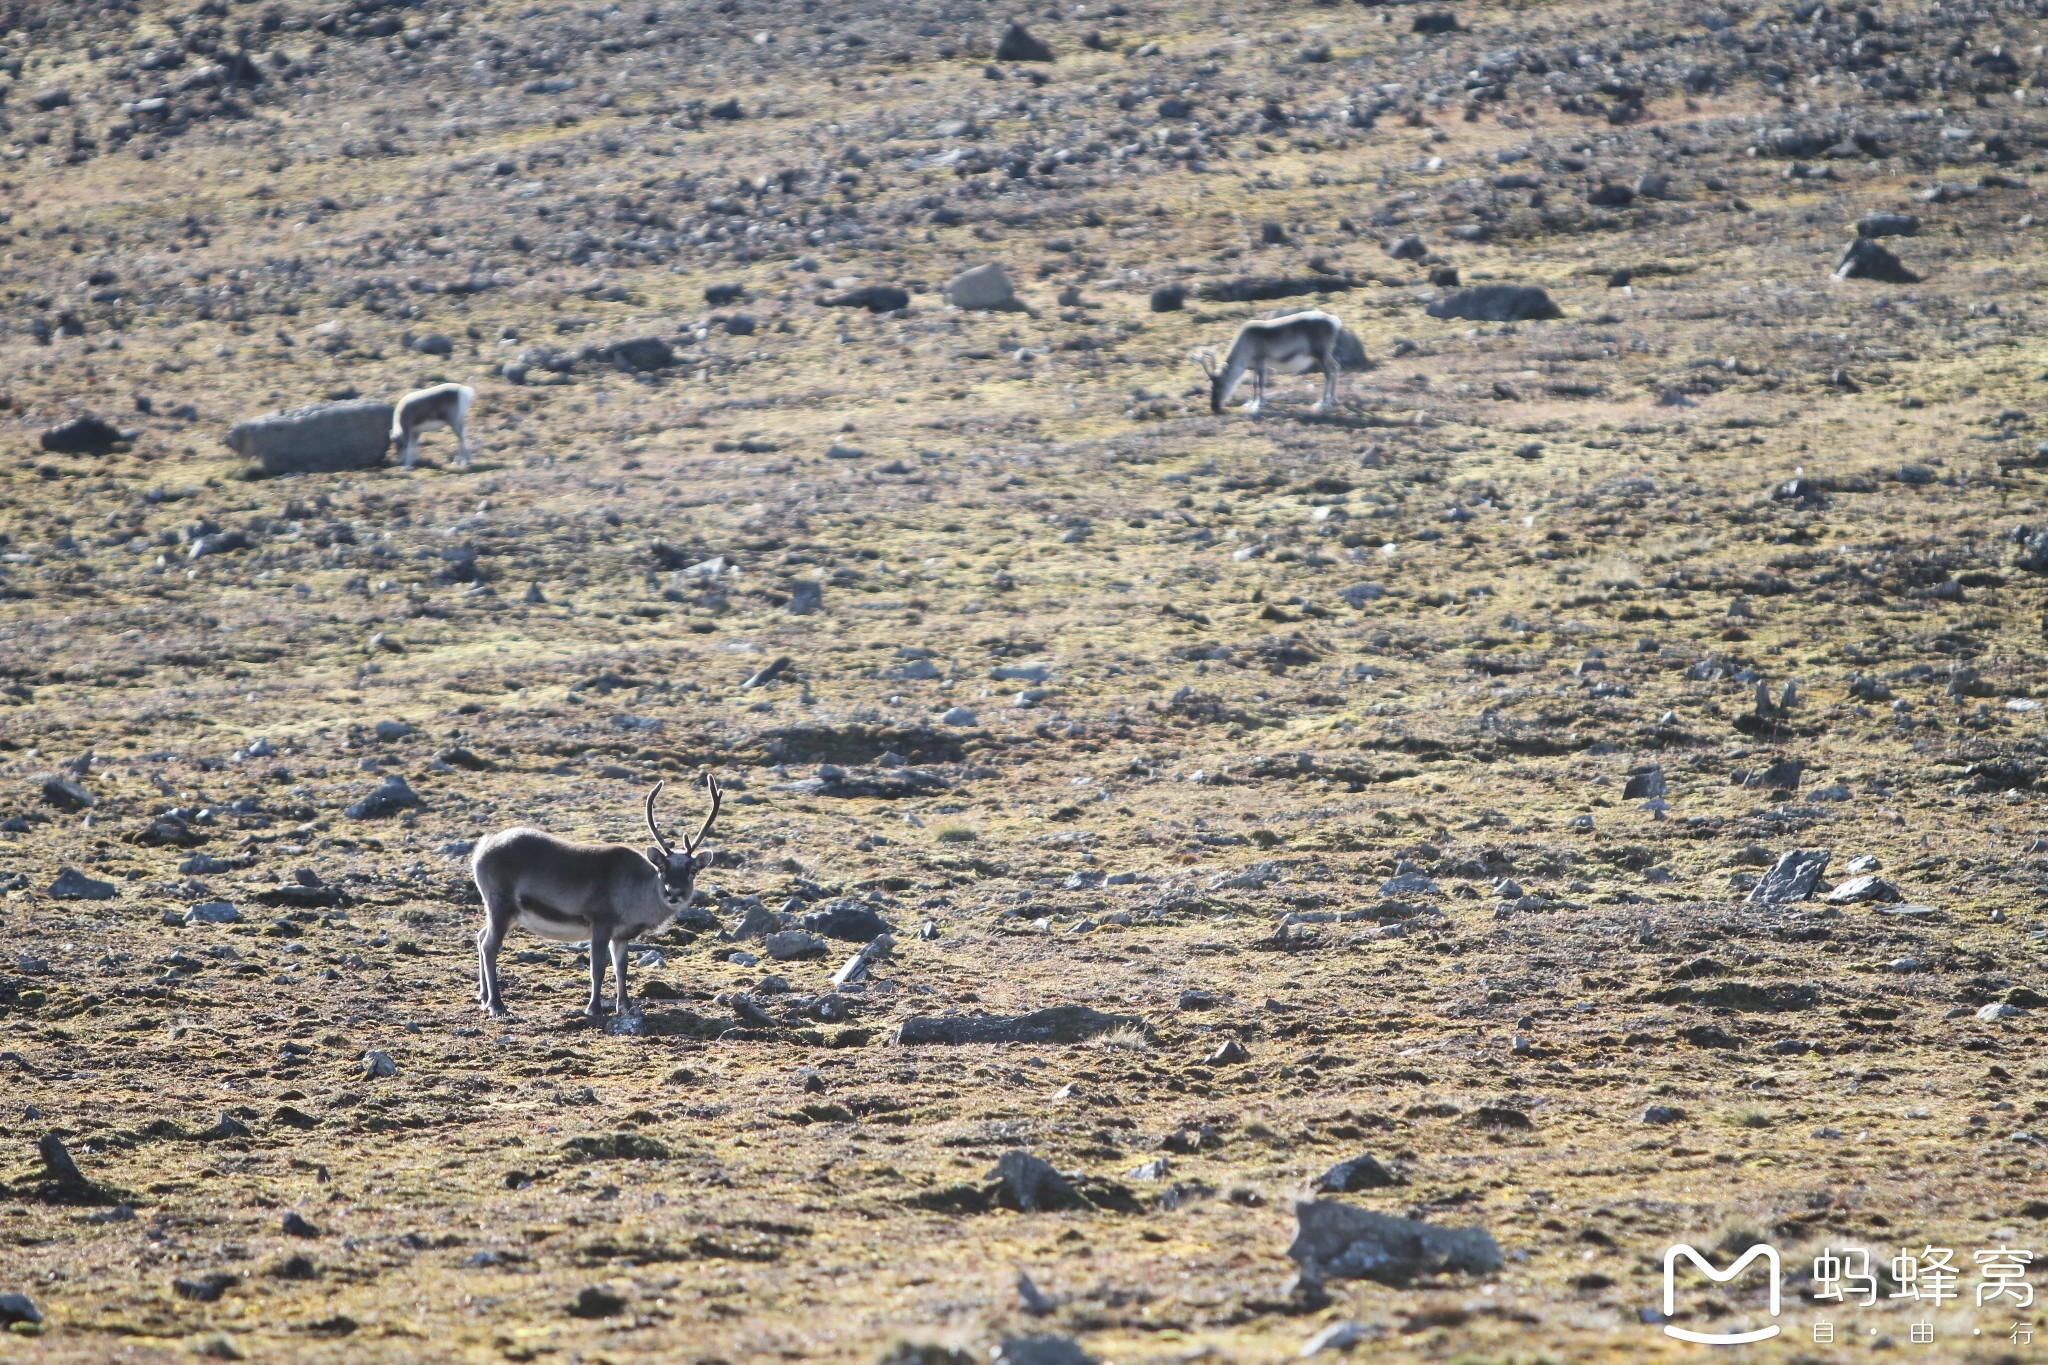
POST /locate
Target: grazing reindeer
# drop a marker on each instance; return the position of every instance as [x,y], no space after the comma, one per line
[568,890]
[444,405]
[1289,345]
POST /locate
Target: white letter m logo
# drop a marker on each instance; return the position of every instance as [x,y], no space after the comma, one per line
[1770,1256]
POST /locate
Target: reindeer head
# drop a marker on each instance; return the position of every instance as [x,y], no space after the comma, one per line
[678,870]
[1216,394]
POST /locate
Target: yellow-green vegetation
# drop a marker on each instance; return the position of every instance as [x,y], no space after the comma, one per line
[1424,749]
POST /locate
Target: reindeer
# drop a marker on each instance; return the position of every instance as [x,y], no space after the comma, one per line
[444,405]
[1290,345]
[567,890]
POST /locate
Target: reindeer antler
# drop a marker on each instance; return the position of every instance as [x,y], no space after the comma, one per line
[717,796]
[1207,361]
[667,849]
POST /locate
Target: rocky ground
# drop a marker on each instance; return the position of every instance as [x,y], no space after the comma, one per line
[1388,781]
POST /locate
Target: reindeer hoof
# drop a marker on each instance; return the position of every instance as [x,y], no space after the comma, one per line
[494,1011]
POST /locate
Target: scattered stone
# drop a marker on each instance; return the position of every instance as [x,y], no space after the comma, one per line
[1642,786]
[1029,1184]
[788,945]
[1497,303]
[320,438]
[1409,248]
[1169,298]
[876,298]
[228,1127]
[206,1288]
[1231,1053]
[295,1226]
[66,1179]
[1017,45]
[1663,1114]
[1864,888]
[213,912]
[1335,1241]
[391,796]
[1059,1024]
[985,288]
[1040,1350]
[377,1065]
[1996,1011]
[958,715]
[86,435]
[1864,259]
[596,1302]
[1338,1336]
[642,355]
[1362,1172]
[849,921]
[1888,225]
[66,795]
[17,1308]
[73,885]
[1792,878]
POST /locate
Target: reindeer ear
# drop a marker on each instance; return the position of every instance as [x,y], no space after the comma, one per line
[703,860]
[656,858]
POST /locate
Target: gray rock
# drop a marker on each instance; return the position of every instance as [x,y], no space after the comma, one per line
[1497,303]
[1229,1054]
[1409,248]
[1864,259]
[1407,884]
[213,912]
[1792,878]
[377,1064]
[1996,1011]
[1663,1113]
[73,885]
[1888,225]
[806,598]
[958,715]
[64,794]
[391,796]
[434,344]
[17,1308]
[1864,888]
[204,865]
[1335,1241]
[1169,298]
[1017,45]
[850,921]
[1059,1024]
[317,439]
[1029,1184]
[641,354]
[1158,1168]
[1362,1172]
[390,730]
[985,288]
[86,435]
[786,945]
[1040,1350]
[876,298]
[1642,786]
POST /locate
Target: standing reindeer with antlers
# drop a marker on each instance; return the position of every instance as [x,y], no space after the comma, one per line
[1289,345]
[568,890]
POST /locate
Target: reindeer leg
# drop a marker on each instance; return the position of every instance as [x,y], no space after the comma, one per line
[619,946]
[1258,392]
[488,940]
[462,447]
[600,950]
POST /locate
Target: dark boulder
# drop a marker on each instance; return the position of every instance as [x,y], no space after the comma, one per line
[1497,303]
[86,435]
[1018,45]
[1864,259]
